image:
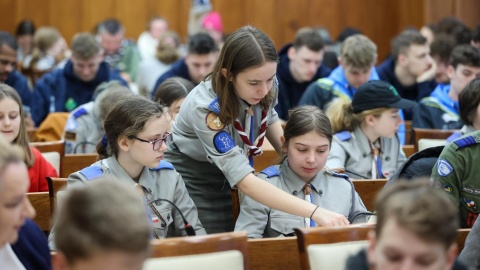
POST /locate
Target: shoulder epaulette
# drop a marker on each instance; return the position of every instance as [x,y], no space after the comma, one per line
[271,171]
[454,136]
[79,112]
[344,135]
[92,172]
[336,174]
[464,142]
[164,165]
[215,106]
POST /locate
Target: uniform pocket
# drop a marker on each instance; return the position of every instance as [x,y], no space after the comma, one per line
[161,223]
[284,224]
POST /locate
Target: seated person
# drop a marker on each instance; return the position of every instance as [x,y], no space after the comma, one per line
[120,53]
[416,229]
[63,90]
[300,64]
[305,145]
[84,128]
[456,172]
[440,110]
[476,37]
[22,244]
[12,127]
[469,103]
[172,92]
[120,241]
[440,50]
[201,55]
[469,255]
[410,69]
[358,55]
[132,150]
[49,50]
[366,144]
[148,40]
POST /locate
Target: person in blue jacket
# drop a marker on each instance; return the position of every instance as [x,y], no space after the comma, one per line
[8,73]
[201,56]
[63,90]
[300,65]
[441,109]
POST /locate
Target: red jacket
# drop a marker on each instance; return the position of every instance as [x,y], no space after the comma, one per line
[40,169]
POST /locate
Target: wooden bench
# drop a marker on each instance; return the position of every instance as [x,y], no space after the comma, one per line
[75,162]
[409,150]
[368,190]
[425,133]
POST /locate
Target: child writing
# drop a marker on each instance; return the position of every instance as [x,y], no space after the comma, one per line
[366,144]
[305,146]
[222,125]
[12,126]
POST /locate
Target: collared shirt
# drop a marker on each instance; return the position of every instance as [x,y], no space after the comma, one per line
[355,156]
[194,138]
[158,184]
[331,192]
[83,130]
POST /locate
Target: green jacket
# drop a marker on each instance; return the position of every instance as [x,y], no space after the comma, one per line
[458,173]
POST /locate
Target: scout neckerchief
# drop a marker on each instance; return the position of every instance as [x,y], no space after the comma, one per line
[307,190]
[247,135]
[376,161]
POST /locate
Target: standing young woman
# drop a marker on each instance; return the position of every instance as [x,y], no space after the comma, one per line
[222,125]
[12,126]
[366,144]
[305,146]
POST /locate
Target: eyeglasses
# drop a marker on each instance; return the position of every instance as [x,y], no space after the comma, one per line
[156,144]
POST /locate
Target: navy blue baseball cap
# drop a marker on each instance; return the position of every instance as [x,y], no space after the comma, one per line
[378,94]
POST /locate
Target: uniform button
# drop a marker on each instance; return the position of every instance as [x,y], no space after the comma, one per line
[168,217]
[158,203]
[150,190]
[164,224]
[387,159]
[474,208]
[295,193]
[364,154]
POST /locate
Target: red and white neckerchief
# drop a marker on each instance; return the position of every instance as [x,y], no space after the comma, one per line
[254,150]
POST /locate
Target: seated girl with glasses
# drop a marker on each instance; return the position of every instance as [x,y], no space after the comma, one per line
[132,151]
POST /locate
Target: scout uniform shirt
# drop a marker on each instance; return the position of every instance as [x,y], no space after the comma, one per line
[332,191]
[458,173]
[83,130]
[211,156]
[162,182]
[457,134]
[351,151]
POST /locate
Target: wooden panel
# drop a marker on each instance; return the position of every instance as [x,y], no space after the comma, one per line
[273,253]
[468,10]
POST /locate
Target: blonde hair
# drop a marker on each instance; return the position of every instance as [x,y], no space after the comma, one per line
[341,115]
[22,137]
[44,39]
[166,52]
[358,51]
[9,154]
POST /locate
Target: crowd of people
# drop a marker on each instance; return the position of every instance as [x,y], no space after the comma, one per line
[185,123]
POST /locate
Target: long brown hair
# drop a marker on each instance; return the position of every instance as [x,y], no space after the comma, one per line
[246,48]
[126,118]
[22,137]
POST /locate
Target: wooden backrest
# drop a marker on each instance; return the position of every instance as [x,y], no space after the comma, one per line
[32,134]
[409,150]
[75,162]
[265,160]
[368,190]
[55,184]
[408,132]
[323,235]
[273,253]
[41,203]
[55,146]
[181,246]
[425,133]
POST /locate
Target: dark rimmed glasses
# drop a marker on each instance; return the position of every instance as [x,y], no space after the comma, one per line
[156,144]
